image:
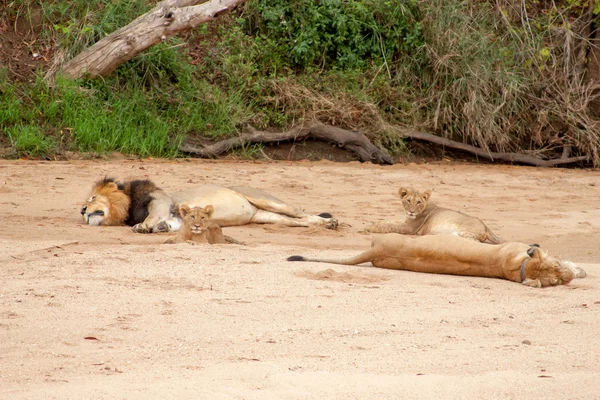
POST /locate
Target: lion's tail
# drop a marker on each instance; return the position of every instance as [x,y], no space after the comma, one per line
[364,257]
[492,238]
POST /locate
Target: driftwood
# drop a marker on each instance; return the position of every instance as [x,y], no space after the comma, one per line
[360,145]
[168,18]
[493,156]
[355,142]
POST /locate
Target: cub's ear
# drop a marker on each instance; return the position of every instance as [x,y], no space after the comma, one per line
[184,210]
[209,210]
[403,192]
[426,194]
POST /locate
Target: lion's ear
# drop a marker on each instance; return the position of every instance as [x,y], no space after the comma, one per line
[426,194]
[111,186]
[533,251]
[209,210]
[184,210]
[403,192]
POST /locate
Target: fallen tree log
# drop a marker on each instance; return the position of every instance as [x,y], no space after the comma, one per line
[490,155]
[168,18]
[355,142]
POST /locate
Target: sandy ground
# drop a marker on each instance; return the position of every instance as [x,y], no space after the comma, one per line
[103,313]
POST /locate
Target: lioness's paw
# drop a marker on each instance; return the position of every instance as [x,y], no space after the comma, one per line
[332,224]
[577,271]
[580,273]
[162,226]
[532,283]
[140,228]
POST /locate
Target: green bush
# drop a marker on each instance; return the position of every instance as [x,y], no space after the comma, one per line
[486,73]
[343,34]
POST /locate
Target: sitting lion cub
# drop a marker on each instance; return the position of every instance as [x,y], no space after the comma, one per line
[425,218]
[198,228]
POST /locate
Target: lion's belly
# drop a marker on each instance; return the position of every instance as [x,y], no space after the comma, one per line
[231,208]
[440,254]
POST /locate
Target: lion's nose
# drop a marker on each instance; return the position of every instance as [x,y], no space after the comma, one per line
[83,210]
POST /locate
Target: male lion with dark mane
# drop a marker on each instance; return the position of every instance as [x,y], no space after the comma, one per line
[454,255]
[426,218]
[147,208]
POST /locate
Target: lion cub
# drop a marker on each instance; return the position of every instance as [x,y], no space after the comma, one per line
[198,228]
[425,218]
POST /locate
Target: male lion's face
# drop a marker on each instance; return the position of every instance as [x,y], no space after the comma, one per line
[196,218]
[95,209]
[107,205]
[414,202]
[543,270]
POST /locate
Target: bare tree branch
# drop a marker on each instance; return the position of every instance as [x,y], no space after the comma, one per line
[492,156]
[360,145]
[355,142]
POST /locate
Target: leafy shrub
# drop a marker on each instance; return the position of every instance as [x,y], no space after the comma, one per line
[335,33]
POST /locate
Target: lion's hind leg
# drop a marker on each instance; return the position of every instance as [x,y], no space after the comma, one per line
[271,204]
[268,202]
[268,217]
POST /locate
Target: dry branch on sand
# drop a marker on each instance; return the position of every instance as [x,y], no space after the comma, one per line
[494,156]
[360,145]
[168,18]
[355,142]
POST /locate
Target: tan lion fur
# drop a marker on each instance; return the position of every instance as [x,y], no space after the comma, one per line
[447,254]
[151,209]
[107,197]
[198,228]
[425,218]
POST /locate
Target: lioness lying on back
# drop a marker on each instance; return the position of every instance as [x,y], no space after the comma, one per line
[425,218]
[198,228]
[447,254]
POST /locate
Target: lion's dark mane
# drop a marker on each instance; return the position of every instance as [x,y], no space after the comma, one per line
[139,191]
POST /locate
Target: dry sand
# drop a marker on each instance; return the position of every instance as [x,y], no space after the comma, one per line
[103,313]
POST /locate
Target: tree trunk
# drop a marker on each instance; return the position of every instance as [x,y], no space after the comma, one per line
[168,18]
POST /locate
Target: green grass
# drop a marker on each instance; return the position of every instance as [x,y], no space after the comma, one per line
[29,141]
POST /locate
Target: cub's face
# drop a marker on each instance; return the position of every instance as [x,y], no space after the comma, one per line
[95,209]
[543,270]
[196,218]
[414,202]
